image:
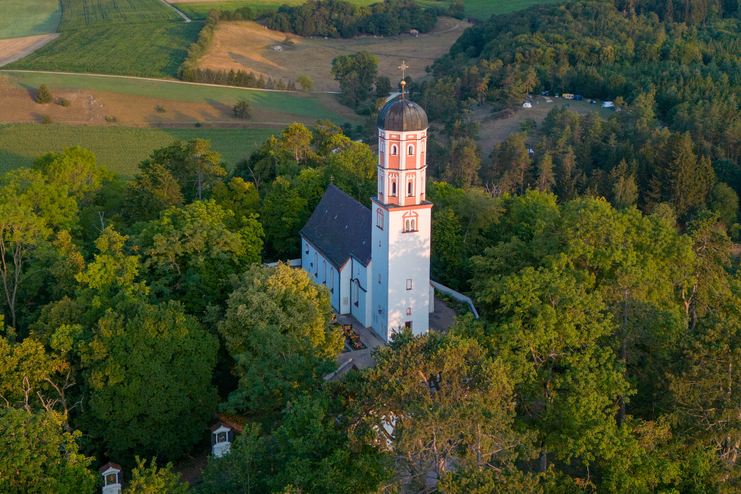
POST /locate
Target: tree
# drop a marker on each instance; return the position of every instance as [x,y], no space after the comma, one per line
[195,167]
[277,328]
[242,110]
[546,179]
[383,86]
[282,214]
[153,191]
[724,202]
[355,73]
[155,481]
[439,400]
[43,95]
[39,455]
[237,196]
[305,82]
[465,161]
[190,252]
[148,368]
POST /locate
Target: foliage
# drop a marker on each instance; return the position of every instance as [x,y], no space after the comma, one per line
[39,455]
[43,95]
[340,19]
[277,328]
[356,73]
[155,481]
[242,110]
[22,19]
[305,82]
[148,368]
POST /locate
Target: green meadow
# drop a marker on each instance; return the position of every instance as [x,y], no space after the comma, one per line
[294,102]
[21,18]
[84,13]
[143,50]
[483,9]
[120,149]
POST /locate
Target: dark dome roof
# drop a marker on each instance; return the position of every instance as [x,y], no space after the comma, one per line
[403,116]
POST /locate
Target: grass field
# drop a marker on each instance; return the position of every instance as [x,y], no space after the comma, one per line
[120,149]
[249,46]
[199,9]
[293,103]
[20,18]
[144,50]
[84,13]
[483,9]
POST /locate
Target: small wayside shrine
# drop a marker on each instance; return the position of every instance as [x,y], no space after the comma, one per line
[112,478]
[376,262]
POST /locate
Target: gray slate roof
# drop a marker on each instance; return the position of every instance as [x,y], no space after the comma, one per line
[339,228]
[403,116]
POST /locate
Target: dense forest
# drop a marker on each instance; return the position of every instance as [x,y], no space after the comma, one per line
[598,252]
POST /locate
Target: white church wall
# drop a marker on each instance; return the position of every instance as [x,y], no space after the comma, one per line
[345,275]
[409,272]
[310,255]
[379,264]
[359,295]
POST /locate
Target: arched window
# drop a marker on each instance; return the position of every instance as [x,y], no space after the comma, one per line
[410,187]
[411,150]
[331,280]
[413,225]
[307,247]
[356,295]
[316,265]
[407,225]
[324,271]
[379,219]
[393,188]
[394,150]
[410,221]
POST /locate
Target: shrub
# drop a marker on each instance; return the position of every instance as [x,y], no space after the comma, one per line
[111,119]
[161,109]
[46,119]
[43,95]
[198,124]
[242,110]
[63,102]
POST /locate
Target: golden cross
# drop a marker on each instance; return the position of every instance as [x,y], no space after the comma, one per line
[403,68]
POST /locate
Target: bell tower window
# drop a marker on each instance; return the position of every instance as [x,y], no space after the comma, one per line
[411,151]
[394,150]
[411,221]
[393,188]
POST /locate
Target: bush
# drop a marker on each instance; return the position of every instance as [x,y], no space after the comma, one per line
[43,95]
[242,110]
[161,109]
[198,124]
[63,102]
[46,119]
[111,119]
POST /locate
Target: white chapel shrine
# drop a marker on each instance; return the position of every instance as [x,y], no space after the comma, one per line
[376,263]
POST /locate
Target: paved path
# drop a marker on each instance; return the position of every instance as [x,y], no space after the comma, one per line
[176,10]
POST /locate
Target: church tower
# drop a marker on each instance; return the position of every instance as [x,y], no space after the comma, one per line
[401,219]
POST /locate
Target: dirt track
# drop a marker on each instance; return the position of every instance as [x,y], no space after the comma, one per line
[17,48]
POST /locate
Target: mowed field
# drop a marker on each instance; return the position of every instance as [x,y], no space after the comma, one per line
[84,13]
[199,9]
[268,106]
[20,18]
[249,46]
[143,50]
[120,149]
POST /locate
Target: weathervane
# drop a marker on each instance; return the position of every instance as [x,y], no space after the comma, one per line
[403,68]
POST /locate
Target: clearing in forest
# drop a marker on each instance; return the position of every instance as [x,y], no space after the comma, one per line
[20,18]
[246,45]
[483,9]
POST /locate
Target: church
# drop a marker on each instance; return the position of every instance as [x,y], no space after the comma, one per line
[376,262]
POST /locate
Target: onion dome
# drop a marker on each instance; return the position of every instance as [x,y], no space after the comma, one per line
[402,116]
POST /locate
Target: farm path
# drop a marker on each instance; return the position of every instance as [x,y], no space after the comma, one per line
[12,50]
[176,10]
